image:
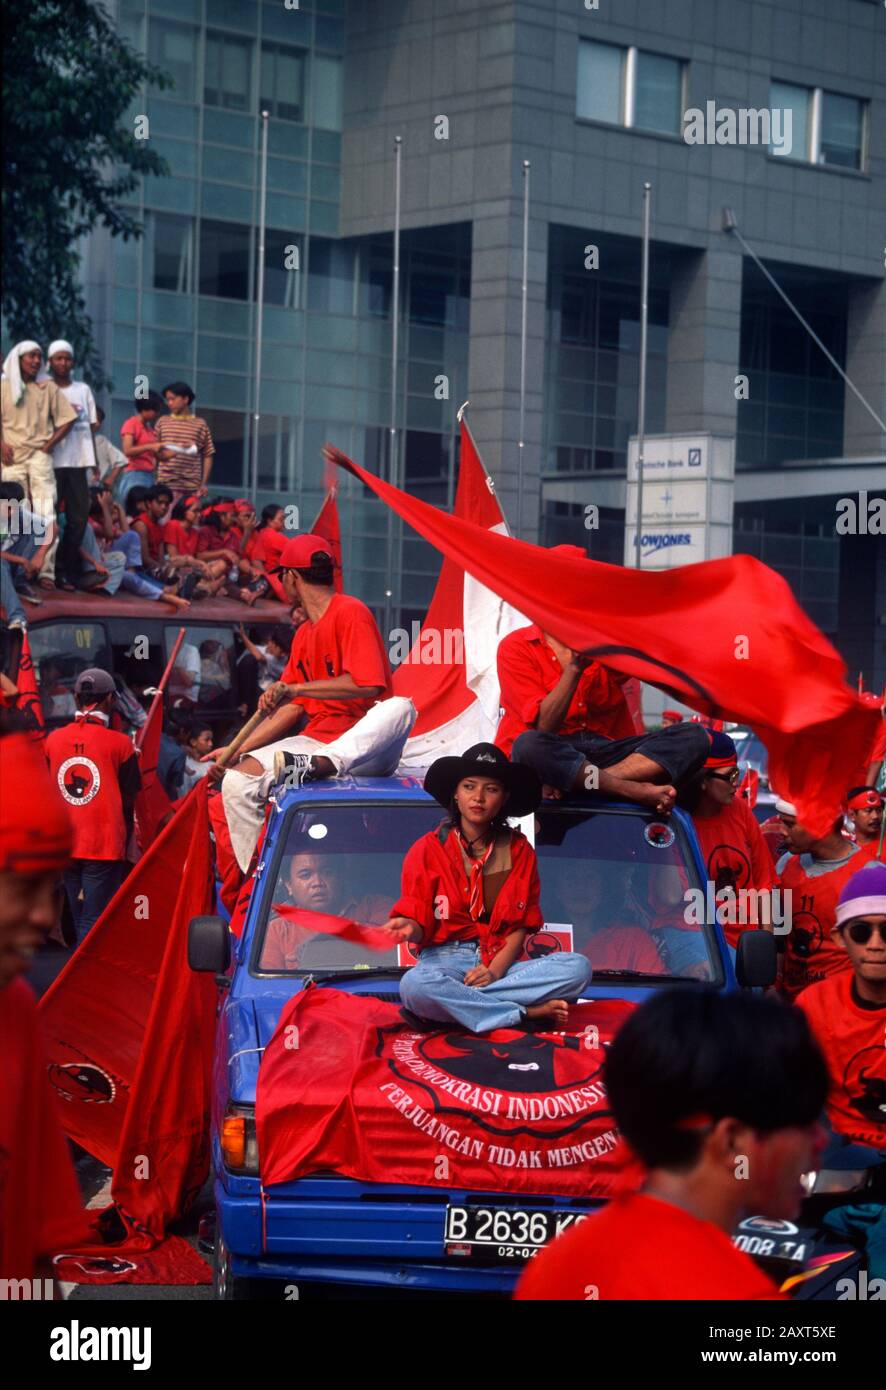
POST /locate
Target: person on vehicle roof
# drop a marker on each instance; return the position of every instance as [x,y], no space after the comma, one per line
[699,1083]
[469,899]
[565,716]
[332,711]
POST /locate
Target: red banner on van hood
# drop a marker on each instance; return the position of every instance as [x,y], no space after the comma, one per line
[347,1083]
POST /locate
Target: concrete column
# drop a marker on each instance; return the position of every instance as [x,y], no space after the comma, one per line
[494,355]
[866,367]
[703,341]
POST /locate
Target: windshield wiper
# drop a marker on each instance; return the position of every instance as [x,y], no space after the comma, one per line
[644,975]
[321,977]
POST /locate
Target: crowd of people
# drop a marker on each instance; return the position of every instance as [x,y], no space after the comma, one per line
[81,514]
[470,889]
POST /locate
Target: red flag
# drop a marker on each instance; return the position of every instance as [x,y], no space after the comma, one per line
[328,526]
[151,802]
[750,786]
[95,1014]
[360,934]
[366,1095]
[450,674]
[726,637]
[28,699]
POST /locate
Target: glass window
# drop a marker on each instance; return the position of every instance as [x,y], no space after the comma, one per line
[60,652]
[282,89]
[599,96]
[842,127]
[659,95]
[203,673]
[283,268]
[224,260]
[343,860]
[170,248]
[785,97]
[327,92]
[331,279]
[228,429]
[173,47]
[226,77]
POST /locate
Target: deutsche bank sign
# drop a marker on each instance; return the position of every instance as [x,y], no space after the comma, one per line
[687,500]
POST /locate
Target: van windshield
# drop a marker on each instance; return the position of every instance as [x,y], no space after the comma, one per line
[613,886]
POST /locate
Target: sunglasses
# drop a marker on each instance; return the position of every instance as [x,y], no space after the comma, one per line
[861,932]
[733,777]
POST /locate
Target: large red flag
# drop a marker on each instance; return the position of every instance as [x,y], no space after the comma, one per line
[328,526]
[28,699]
[348,1084]
[151,802]
[726,637]
[95,1015]
[450,673]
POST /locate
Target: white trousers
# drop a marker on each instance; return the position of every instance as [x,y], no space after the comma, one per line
[370,748]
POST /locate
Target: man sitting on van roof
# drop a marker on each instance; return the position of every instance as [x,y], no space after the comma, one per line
[331,713]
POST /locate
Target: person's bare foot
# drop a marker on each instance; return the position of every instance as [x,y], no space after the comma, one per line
[652,794]
[551,793]
[174,599]
[555,1009]
[247,597]
[322,767]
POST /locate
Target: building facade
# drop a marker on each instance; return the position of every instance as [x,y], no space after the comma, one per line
[595,97]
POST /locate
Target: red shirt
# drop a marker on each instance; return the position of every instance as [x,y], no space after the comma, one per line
[346,639]
[810,954]
[154,533]
[272,545]
[142,433]
[86,759]
[735,854]
[435,892]
[853,1040]
[528,670]
[640,1247]
[253,548]
[40,1209]
[285,938]
[182,538]
[626,947]
[210,539]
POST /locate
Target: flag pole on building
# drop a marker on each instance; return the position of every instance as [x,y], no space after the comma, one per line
[259,308]
[395,343]
[524,293]
[641,406]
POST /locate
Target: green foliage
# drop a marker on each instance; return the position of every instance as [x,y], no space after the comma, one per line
[68,159]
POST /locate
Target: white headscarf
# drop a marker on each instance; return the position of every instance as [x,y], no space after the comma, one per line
[60,345]
[12,368]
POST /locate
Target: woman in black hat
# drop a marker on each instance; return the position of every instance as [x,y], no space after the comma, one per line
[469,898]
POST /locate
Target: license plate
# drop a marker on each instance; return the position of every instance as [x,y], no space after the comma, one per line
[503,1233]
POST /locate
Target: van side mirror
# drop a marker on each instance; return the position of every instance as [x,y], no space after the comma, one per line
[756,959]
[209,945]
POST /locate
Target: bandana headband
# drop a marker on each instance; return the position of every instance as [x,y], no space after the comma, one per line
[864,800]
[715,763]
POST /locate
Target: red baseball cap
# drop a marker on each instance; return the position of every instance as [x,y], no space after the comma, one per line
[300,552]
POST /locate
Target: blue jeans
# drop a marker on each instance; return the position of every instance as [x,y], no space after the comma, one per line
[113,561]
[99,880]
[435,988]
[138,477]
[24,544]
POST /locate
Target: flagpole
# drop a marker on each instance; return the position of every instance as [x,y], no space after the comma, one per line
[259,307]
[395,343]
[641,405]
[524,295]
[161,688]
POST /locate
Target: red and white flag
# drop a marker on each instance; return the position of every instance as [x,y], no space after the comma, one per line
[450,674]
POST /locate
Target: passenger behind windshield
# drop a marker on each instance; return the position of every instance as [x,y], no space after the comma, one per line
[603,928]
[318,882]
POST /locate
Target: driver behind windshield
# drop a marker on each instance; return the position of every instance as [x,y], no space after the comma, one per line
[318,883]
[601,928]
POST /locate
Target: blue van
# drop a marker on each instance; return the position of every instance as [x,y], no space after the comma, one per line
[608,863]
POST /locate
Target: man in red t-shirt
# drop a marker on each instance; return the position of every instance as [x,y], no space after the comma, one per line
[565,716]
[332,711]
[847,1013]
[811,876]
[736,856]
[40,1207]
[865,806]
[705,1089]
[96,771]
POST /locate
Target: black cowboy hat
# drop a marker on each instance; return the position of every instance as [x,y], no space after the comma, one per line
[485,760]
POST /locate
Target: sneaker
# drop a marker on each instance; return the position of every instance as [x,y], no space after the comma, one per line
[292,769]
[30,596]
[17,624]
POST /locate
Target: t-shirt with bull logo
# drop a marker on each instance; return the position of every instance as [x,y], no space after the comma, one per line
[815,885]
[852,1036]
[95,768]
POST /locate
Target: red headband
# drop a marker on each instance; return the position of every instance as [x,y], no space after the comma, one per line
[241,505]
[864,799]
[192,501]
[35,829]
[715,763]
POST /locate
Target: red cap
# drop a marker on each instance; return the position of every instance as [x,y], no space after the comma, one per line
[241,505]
[298,553]
[35,828]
